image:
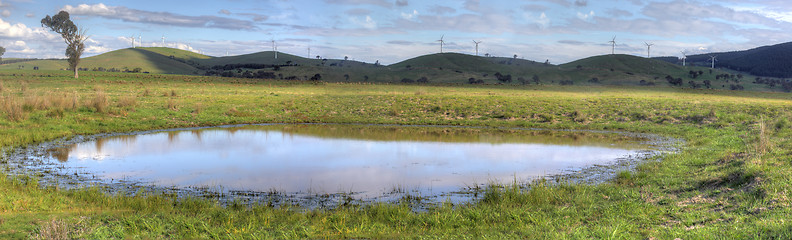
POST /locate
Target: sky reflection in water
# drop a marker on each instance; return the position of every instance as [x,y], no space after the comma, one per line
[338,158]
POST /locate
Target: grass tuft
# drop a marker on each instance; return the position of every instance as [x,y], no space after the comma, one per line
[13,108]
[129,101]
[99,102]
[55,229]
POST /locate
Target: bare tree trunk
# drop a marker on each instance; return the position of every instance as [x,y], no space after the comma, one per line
[75,74]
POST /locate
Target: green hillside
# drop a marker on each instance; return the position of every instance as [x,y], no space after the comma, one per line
[124,59]
[268,58]
[434,68]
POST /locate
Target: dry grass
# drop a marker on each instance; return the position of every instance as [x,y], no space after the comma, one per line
[198,108]
[2,88]
[127,102]
[55,229]
[99,102]
[13,108]
[35,101]
[173,104]
[63,101]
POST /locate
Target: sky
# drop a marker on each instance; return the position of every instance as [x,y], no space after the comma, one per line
[390,31]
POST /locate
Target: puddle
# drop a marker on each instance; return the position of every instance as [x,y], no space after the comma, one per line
[319,164]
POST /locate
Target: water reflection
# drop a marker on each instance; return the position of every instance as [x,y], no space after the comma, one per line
[371,160]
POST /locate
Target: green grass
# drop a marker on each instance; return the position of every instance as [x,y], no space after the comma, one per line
[729,180]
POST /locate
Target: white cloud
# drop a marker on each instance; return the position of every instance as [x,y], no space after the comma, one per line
[584,16]
[5,13]
[368,23]
[543,21]
[161,18]
[21,31]
[409,16]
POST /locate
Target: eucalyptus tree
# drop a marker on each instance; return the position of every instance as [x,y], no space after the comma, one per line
[73,35]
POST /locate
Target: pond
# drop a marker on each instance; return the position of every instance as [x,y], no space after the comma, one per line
[362,161]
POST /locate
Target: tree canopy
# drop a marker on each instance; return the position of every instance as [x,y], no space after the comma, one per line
[73,36]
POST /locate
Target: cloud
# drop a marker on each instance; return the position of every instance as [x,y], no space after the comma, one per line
[534,8]
[584,16]
[21,31]
[440,10]
[367,23]
[30,15]
[618,13]
[400,42]
[160,18]
[5,13]
[224,12]
[401,3]
[571,42]
[543,21]
[409,16]
[381,3]
[358,12]
[581,3]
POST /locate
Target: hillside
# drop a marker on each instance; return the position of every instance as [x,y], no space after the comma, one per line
[121,60]
[268,58]
[454,68]
[766,61]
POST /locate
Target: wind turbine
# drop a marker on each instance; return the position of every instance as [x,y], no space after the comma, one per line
[275,48]
[140,40]
[477,43]
[684,56]
[713,58]
[163,40]
[441,43]
[613,45]
[648,48]
[133,40]
[309,52]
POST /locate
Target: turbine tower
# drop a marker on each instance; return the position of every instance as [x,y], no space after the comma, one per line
[140,40]
[613,45]
[713,58]
[684,56]
[309,52]
[648,48]
[477,43]
[441,43]
[275,48]
[133,40]
[163,40]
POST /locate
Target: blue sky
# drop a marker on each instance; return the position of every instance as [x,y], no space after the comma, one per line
[390,31]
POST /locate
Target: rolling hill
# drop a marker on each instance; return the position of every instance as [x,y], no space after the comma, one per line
[766,61]
[433,68]
[124,59]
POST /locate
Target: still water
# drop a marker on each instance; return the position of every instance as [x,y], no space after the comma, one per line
[366,160]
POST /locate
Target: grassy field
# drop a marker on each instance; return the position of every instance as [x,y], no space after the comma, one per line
[729,180]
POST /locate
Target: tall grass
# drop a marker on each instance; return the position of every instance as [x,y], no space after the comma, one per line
[13,108]
[99,102]
[129,101]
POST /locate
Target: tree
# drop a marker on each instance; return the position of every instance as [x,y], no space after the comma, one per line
[2,51]
[73,36]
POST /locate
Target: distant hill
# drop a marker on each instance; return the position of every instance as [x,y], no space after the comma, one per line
[766,61]
[146,59]
[626,63]
[455,68]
